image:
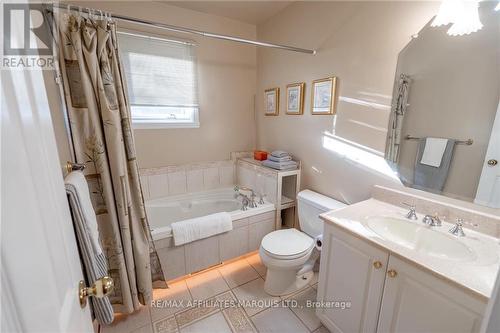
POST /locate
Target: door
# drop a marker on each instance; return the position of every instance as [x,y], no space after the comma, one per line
[417,301]
[352,271]
[488,191]
[40,267]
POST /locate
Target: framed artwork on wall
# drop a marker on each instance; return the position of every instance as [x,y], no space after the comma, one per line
[295,98]
[324,93]
[272,101]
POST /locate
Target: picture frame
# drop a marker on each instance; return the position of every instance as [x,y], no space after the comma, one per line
[324,96]
[295,98]
[272,101]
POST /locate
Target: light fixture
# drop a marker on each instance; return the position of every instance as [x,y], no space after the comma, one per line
[462,14]
[467,20]
[497,8]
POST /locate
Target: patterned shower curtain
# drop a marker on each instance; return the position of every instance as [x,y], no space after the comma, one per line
[100,125]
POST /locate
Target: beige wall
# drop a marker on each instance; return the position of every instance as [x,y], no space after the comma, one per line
[359,43]
[227,81]
[454,94]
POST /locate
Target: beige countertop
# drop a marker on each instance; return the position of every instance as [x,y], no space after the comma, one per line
[476,276]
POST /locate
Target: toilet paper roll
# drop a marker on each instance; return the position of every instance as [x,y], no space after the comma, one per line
[318,241]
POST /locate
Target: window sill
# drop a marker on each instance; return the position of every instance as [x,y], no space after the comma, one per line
[146,125]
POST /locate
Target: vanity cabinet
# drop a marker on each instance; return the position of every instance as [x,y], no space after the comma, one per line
[386,293]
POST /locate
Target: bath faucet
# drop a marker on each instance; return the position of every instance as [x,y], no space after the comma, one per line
[432,221]
[250,201]
[261,199]
[411,215]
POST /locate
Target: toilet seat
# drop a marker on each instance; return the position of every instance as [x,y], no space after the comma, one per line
[287,244]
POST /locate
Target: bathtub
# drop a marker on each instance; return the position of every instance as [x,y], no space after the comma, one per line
[162,212]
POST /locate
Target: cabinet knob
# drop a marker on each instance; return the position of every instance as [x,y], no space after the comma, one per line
[392,273]
[377,264]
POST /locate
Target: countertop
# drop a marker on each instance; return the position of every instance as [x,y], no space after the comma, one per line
[477,276]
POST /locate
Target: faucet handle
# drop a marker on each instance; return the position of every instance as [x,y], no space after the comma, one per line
[411,215]
[457,230]
[261,198]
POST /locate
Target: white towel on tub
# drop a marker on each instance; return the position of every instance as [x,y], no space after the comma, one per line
[201,227]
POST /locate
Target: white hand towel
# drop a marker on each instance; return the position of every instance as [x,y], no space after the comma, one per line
[78,182]
[201,227]
[433,151]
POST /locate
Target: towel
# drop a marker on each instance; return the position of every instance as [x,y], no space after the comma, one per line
[432,178]
[85,224]
[279,159]
[280,153]
[433,151]
[201,227]
[289,165]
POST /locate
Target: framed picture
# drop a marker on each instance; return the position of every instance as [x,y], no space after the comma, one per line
[324,93]
[295,98]
[272,101]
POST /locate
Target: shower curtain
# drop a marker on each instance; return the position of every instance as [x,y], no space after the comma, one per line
[100,126]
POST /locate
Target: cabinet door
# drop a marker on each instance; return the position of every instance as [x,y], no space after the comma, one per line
[417,301]
[348,273]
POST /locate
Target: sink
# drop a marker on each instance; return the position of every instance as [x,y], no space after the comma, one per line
[420,238]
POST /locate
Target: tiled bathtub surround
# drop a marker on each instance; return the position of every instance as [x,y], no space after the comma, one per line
[447,209]
[261,180]
[224,292]
[172,180]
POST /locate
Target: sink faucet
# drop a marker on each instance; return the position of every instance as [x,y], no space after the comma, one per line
[411,215]
[457,229]
[432,221]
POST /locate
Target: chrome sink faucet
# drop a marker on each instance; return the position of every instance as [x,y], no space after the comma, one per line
[457,229]
[432,221]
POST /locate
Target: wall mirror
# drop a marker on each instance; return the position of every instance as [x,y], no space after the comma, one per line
[448,87]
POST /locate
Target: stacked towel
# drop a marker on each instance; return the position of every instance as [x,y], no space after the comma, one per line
[201,227]
[280,160]
[87,234]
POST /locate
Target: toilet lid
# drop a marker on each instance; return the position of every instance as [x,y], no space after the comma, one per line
[287,242]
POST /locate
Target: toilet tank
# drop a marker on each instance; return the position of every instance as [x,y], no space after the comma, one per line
[310,204]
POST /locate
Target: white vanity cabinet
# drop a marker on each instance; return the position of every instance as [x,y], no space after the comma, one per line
[351,271]
[415,300]
[387,294]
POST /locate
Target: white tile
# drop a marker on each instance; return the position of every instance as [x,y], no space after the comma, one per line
[202,254]
[214,323]
[145,186]
[144,329]
[306,314]
[177,293]
[166,325]
[207,284]
[234,243]
[211,179]
[126,323]
[257,231]
[238,273]
[278,320]
[174,261]
[177,182]
[194,180]
[322,329]
[226,173]
[246,177]
[254,291]
[158,186]
[256,263]
[271,188]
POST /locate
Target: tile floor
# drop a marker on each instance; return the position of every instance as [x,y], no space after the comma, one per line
[179,308]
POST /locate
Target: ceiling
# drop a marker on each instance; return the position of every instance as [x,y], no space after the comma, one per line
[253,12]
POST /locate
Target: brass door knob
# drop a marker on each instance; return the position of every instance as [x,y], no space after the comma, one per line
[392,273]
[377,264]
[102,287]
[492,162]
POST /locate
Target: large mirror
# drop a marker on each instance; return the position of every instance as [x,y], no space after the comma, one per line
[444,130]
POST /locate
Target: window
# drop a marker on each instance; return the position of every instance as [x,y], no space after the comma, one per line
[161,80]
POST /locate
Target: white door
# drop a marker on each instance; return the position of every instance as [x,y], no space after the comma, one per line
[351,271]
[417,301]
[488,191]
[40,266]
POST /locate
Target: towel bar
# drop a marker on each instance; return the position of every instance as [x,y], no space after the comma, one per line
[467,142]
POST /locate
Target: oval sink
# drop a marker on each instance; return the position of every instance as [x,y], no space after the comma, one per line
[420,238]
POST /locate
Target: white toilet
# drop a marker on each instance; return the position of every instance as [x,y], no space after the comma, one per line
[290,254]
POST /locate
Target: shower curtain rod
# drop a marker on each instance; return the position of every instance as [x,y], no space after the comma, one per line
[190,31]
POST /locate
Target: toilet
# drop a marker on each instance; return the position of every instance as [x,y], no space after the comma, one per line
[290,254]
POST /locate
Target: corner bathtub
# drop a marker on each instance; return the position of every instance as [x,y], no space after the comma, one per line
[162,212]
